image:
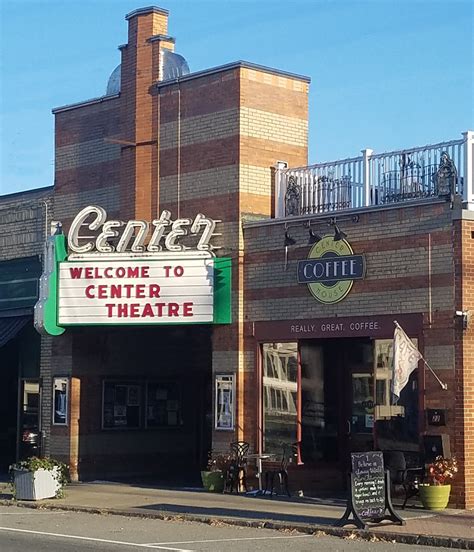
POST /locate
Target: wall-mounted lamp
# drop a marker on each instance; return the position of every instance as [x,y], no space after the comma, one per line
[465,317]
[56,228]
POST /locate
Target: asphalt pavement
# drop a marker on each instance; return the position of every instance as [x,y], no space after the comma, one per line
[53,531]
[306,515]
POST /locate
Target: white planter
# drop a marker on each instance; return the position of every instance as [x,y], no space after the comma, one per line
[36,485]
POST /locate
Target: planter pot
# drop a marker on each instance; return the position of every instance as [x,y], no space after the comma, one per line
[435,497]
[213,481]
[36,485]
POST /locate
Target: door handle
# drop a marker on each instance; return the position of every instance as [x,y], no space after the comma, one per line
[349,428]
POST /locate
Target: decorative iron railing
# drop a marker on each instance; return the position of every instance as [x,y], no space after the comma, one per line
[440,170]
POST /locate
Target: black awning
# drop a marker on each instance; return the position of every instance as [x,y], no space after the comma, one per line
[10,326]
[19,279]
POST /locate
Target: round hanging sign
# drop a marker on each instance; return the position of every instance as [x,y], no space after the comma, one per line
[330,269]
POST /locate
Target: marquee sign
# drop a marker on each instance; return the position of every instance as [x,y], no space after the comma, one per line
[120,273]
[330,270]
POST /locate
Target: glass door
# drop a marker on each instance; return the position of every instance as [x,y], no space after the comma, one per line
[358,360]
[29,443]
[362,411]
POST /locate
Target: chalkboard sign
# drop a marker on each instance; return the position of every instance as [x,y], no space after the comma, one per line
[369,497]
[368,484]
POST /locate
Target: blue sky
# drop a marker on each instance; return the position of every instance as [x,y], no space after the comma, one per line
[385,74]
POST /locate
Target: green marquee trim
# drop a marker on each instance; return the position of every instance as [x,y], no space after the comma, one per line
[222,290]
[51,305]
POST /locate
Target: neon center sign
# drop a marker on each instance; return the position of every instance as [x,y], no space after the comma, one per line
[138,236]
[119,273]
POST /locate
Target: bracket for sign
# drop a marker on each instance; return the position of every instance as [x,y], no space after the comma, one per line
[360,522]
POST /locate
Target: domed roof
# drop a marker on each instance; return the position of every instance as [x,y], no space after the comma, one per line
[113,85]
[174,66]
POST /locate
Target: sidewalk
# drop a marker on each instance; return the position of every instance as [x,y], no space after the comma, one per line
[451,528]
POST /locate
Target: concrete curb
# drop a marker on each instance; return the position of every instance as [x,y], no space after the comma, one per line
[388,536]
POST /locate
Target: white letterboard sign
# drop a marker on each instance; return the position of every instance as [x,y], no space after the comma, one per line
[136,292]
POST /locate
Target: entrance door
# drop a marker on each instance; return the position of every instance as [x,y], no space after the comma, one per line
[337,397]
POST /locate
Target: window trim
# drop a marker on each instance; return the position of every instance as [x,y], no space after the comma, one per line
[217,380]
[53,402]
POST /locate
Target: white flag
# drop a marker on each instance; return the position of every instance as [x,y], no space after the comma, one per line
[405,360]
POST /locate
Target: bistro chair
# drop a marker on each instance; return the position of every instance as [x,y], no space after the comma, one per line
[288,454]
[400,474]
[237,471]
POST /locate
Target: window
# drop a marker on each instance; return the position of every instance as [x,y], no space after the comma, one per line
[163,404]
[60,401]
[122,402]
[280,372]
[397,424]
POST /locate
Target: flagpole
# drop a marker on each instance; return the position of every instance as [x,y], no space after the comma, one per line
[442,384]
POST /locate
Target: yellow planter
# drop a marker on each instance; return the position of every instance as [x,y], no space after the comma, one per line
[435,497]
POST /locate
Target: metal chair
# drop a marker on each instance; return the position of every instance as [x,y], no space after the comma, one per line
[288,454]
[237,471]
[409,478]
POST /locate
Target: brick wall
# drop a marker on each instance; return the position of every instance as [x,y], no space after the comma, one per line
[396,244]
[23,223]
[220,135]
[25,220]
[464,407]
[87,164]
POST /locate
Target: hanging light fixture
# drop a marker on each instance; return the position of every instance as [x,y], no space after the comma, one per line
[313,237]
[288,239]
[338,233]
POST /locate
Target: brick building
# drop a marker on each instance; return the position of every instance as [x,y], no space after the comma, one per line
[22,236]
[308,358]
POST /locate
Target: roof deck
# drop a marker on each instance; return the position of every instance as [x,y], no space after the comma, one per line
[376,179]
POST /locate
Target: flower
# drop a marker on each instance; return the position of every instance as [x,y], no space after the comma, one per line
[441,470]
[218,461]
[33,463]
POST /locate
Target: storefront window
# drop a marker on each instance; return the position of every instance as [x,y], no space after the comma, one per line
[397,424]
[163,404]
[280,372]
[122,402]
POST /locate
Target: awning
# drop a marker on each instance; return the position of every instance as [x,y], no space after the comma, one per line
[9,327]
[19,280]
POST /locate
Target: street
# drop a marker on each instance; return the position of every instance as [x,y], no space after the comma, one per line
[41,530]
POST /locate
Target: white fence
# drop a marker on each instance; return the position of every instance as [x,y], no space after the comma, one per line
[418,173]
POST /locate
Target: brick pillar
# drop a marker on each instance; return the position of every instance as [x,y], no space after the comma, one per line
[463,488]
[139,117]
[75,415]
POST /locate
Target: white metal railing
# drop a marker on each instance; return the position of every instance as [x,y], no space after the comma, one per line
[417,173]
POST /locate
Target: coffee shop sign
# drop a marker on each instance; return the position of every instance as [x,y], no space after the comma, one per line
[331,327]
[120,237]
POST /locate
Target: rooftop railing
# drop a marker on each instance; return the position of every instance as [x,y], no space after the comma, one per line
[438,170]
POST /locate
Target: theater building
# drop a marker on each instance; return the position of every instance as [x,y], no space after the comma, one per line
[202,284]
